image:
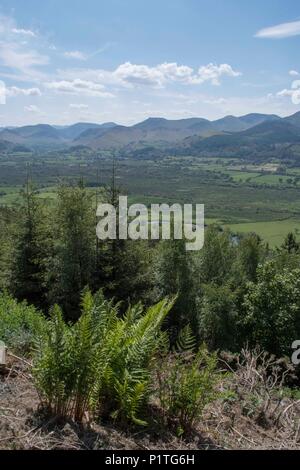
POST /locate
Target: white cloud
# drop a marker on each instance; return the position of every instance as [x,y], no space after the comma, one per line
[24,32]
[216,101]
[171,72]
[78,106]
[75,55]
[293,92]
[130,75]
[16,51]
[32,109]
[79,87]
[16,91]
[14,56]
[283,30]
[213,73]
[294,73]
[139,75]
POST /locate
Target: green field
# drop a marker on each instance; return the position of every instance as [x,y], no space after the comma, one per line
[247,197]
[272,232]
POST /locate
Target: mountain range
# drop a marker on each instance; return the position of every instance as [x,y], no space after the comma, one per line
[250,135]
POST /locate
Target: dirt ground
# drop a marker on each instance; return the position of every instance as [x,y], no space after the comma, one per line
[24,425]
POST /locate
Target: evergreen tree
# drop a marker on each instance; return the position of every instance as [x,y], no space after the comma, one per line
[290,244]
[72,269]
[175,276]
[250,253]
[7,220]
[217,317]
[32,240]
[123,266]
[217,256]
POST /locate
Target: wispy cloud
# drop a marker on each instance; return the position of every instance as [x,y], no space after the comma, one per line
[16,91]
[294,73]
[14,56]
[78,106]
[102,49]
[24,32]
[79,55]
[75,55]
[283,30]
[215,101]
[79,87]
[32,109]
[19,51]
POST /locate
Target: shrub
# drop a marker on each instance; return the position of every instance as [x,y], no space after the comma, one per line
[65,366]
[21,325]
[272,307]
[187,383]
[103,362]
[129,360]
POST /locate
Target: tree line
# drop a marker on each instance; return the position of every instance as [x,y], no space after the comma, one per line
[236,290]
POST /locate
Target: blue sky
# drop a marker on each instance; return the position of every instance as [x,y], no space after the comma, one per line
[126,60]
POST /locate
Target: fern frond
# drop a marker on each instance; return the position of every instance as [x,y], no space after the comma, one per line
[186,341]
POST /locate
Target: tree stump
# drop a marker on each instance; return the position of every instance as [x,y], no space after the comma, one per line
[2,355]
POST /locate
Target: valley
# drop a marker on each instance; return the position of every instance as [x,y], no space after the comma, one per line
[246,170]
[244,196]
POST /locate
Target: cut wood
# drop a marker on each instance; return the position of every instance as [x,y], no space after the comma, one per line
[2,354]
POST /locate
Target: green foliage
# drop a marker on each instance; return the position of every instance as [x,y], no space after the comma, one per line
[66,365]
[216,257]
[175,276]
[73,266]
[250,253]
[290,244]
[21,325]
[49,253]
[103,362]
[187,383]
[132,362]
[186,341]
[272,308]
[116,258]
[218,317]
[7,218]
[32,242]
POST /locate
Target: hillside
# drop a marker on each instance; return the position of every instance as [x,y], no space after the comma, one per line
[270,136]
[164,132]
[252,135]
[74,131]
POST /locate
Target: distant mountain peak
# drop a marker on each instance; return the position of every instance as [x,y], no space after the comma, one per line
[230,134]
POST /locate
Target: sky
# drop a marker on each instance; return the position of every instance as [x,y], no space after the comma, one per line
[67,61]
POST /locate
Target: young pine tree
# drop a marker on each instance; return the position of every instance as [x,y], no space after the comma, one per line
[123,266]
[32,241]
[290,244]
[7,220]
[72,269]
[175,276]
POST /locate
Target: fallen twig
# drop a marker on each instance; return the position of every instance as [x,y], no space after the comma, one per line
[9,353]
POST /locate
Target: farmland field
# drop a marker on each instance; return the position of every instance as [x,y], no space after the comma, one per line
[261,198]
[273,231]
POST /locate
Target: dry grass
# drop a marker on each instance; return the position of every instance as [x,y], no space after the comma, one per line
[256,416]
